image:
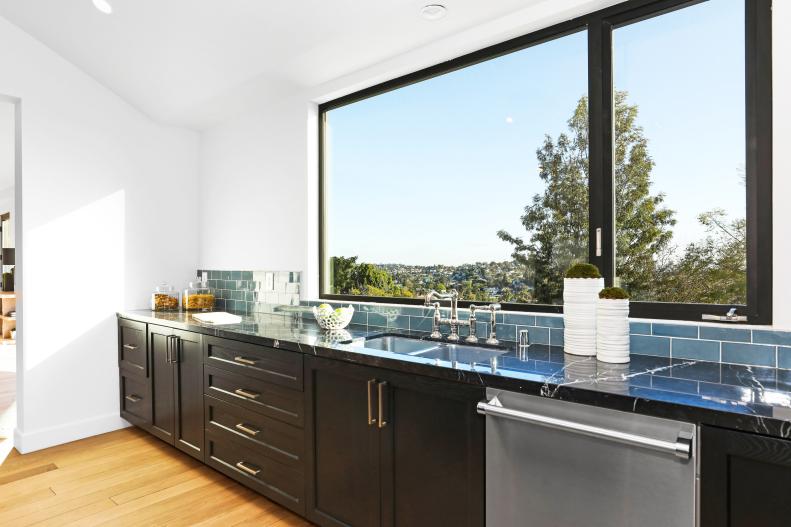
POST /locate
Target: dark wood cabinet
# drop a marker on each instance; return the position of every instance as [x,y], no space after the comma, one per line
[176,372]
[188,394]
[434,466]
[344,485]
[359,447]
[744,479]
[392,449]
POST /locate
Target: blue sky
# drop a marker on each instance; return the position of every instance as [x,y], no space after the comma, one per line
[427,174]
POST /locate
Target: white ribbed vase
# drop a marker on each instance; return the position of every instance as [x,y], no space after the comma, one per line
[579,314]
[612,330]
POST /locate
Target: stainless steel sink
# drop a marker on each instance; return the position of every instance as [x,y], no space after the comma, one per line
[427,349]
[403,345]
[461,353]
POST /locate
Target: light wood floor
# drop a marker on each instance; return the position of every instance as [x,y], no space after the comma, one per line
[126,478]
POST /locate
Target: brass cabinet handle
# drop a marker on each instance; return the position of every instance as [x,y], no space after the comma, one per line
[132,398]
[247,430]
[371,419]
[244,360]
[380,389]
[246,394]
[130,347]
[253,471]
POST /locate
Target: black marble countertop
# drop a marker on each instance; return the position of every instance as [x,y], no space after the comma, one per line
[749,398]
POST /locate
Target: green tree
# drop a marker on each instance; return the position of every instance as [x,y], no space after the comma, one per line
[557,219]
[711,271]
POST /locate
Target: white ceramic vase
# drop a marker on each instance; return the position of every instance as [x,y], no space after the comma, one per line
[612,330]
[579,314]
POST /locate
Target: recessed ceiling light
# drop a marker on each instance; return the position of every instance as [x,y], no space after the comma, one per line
[103,6]
[433,11]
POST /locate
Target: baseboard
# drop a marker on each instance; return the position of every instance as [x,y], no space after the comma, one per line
[27,442]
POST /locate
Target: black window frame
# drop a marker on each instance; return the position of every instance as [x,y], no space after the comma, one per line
[599,26]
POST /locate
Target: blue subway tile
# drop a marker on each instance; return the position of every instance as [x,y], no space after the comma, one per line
[646,345]
[377,319]
[519,319]
[226,275]
[506,332]
[556,337]
[247,275]
[640,328]
[752,354]
[549,322]
[763,336]
[536,335]
[236,275]
[784,357]
[420,323]
[360,317]
[708,350]
[675,330]
[731,334]
[398,321]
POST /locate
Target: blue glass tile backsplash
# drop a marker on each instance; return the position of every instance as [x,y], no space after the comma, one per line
[715,343]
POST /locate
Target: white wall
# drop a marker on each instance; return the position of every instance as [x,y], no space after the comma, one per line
[253,185]
[781,182]
[108,209]
[238,154]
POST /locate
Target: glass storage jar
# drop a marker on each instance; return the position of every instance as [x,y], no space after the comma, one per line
[165,298]
[198,297]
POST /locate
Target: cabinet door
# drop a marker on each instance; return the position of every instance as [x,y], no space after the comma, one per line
[433,455]
[344,477]
[744,479]
[188,371]
[163,417]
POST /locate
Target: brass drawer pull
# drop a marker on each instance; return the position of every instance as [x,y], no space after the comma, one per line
[250,470]
[380,388]
[244,360]
[130,347]
[132,398]
[247,429]
[371,419]
[247,395]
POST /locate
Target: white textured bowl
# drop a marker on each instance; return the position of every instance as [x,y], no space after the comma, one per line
[329,319]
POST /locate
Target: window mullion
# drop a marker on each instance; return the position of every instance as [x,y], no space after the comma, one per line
[601,246]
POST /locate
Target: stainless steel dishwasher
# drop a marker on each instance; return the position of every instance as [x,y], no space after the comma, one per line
[557,464]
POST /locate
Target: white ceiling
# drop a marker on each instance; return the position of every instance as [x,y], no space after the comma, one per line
[169,57]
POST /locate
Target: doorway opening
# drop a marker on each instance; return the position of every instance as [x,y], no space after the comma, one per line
[8,348]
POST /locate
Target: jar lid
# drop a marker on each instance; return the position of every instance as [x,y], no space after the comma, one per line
[198,284]
[165,288]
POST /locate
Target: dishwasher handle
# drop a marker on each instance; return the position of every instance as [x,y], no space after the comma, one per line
[681,447]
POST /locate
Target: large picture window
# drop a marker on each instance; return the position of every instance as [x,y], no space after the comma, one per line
[637,138]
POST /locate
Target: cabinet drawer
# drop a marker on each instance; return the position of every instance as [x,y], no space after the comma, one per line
[135,399]
[276,366]
[132,355]
[246,465]
[254,394]
[273,439]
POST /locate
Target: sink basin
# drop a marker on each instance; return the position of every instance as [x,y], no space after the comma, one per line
[461,353]
[403,345]
[444,351]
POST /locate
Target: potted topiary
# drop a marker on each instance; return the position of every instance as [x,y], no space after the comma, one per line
[612,325]
[581,286]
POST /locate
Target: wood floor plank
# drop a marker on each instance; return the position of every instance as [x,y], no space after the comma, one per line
[130,478]
[25,473]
